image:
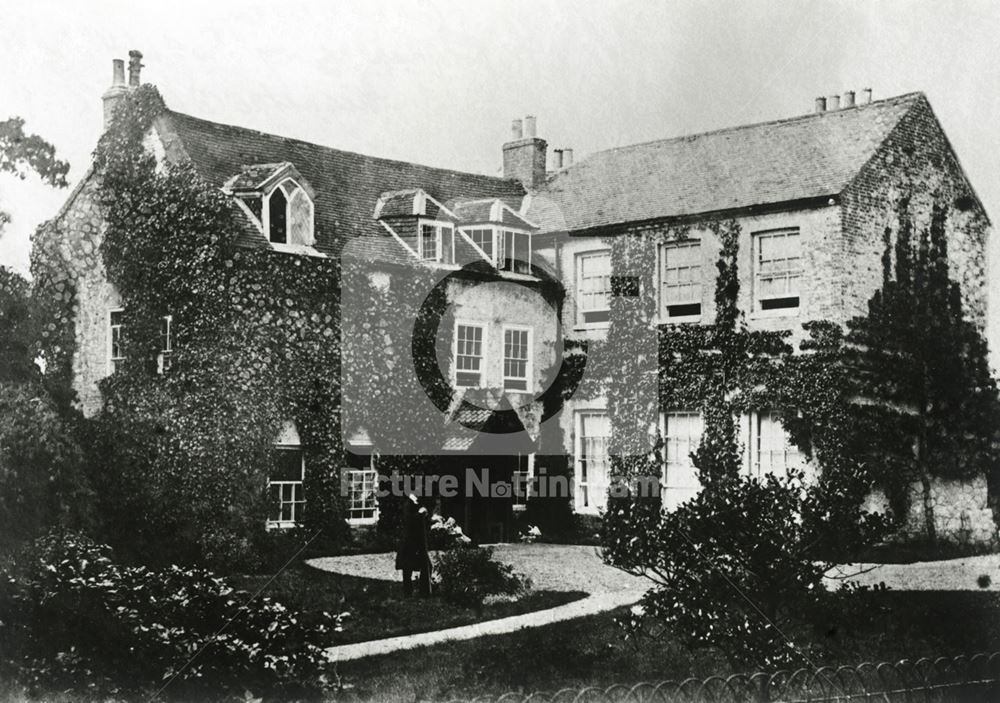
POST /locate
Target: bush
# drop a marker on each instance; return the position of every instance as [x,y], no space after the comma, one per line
[467,576]
[73,620]
[42,481]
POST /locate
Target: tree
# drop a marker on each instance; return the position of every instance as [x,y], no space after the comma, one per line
[21,154]
[924,363]
[18,331]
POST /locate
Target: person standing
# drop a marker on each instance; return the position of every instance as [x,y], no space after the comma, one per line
[413,554]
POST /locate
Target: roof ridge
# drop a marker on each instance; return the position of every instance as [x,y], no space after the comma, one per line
[736,128]
[498,179]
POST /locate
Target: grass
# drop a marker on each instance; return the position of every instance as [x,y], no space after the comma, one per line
[378,608]
[590,651]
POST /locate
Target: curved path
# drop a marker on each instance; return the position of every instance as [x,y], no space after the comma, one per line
[550,567]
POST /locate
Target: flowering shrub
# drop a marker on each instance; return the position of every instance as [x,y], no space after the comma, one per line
[469,575]
[73,620]
[530,535]
[446,534]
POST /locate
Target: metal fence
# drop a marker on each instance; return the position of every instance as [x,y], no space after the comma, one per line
[974,679]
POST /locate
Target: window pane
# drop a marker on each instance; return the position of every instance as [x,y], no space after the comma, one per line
[682,437]
[773,450]
[593,467]
[300,227]
[428,242]
[468,354]
[515,359]
[779,267]
[484,240]
[287,465]
[681,275]
[594,287]
[277,216]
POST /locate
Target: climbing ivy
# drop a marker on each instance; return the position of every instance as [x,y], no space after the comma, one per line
[181,459]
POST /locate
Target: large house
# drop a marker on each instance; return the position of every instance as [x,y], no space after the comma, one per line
[526,260]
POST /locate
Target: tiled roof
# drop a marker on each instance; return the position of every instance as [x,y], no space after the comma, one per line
[347,185]
[799,158]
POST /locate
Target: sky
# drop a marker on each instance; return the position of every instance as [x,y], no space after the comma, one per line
[439,81]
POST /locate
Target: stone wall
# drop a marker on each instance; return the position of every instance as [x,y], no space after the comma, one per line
[962,513]
[79,227]
[916,159]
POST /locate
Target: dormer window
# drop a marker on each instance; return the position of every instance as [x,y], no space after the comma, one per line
[279,202]
[434,242]
[288,214]
[506,249]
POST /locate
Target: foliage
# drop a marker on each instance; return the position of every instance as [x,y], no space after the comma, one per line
[917,353]
[734,568]
[75,621]
[22,153]
[181,458]
[445,534]
[467,576]
[18,328]
[733,564]
[42,482]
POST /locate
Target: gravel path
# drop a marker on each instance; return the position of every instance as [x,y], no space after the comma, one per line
[578,568]
[551,567]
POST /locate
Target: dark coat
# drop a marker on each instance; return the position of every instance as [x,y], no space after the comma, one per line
[412,553]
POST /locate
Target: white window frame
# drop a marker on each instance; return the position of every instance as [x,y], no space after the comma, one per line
[528,366]
[162,365]
[366,474]
[298,501]
[500,245]
[439,228]
[288,192]
[499,235]
[665,433]
[579,258]
[758,300]
[661,268]
[482,357]
[112,359]
[583,488]
[520,503]
[753,459]
[491,257]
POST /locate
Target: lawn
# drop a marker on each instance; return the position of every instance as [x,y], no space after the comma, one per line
[590,651]
[378,608]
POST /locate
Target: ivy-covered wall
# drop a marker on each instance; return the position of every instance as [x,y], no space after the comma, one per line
[916,160]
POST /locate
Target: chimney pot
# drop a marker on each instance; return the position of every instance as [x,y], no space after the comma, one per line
[118,72]
[516,131]
[529,126]
[557,158]
[849,99]
[567,157]
[134,67]
[820,104]
[866,96]
[116,92]
[833,102]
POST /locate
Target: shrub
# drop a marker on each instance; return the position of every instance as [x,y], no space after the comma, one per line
[42,482]
[467,576]
[73,620]
[984,581]
[445,534]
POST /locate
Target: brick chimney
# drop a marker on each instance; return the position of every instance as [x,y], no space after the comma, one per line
[118,90]
[134,67]
[524,157]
